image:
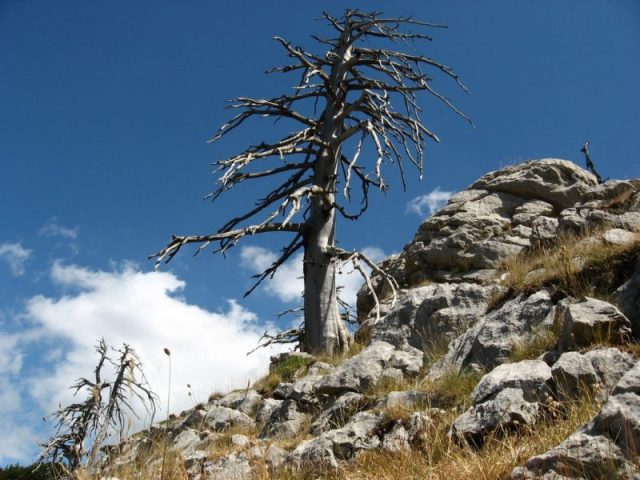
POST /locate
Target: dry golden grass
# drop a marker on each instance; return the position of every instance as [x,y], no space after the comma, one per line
[540,341]
[285,371]
[356,347]
[451,391]
[441,458]
[147,466]
[576,265]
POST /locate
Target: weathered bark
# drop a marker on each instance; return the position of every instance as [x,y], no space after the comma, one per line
[325,331]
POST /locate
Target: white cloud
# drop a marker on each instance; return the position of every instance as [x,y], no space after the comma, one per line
[53,229]
[288,285]
[15,255]
[11,402]
[20,437]
[208,349]
[141,309]
[10,357]
[430,202]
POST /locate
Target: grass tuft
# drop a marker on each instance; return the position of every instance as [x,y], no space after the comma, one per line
[575,265]
[283,372]
[539,342]
[441,458]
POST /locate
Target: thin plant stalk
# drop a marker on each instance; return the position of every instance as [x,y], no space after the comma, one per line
[166,425]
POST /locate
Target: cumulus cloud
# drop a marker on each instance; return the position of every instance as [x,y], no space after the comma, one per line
[142,309]
[53,229]
[16,256]
[11,401]
[429,203]
[288,285]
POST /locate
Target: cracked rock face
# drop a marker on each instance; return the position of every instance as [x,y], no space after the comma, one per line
[593,320]
[433,313]
[490,341]
[340,444]
[223,418]
[593,373]
[507,410]
[244,401]
[497,217]
[628,297]
[362,371]
[338,412]
[509,397]
[606,447]
[285,421]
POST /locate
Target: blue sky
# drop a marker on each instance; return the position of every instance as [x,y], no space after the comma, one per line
[105,108]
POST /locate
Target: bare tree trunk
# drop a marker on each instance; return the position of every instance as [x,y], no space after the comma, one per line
[325,331]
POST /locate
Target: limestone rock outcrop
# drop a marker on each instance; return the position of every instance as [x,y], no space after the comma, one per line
[457,316]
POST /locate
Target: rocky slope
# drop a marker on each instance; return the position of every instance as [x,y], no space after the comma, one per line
[529,343]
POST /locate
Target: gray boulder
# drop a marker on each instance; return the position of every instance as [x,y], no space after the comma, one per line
[506,411]
[315,451]
[573,375]
[619,419]
[301,391]
[359,434]
[610,364]
[340,444]
[606,447]
[433,313]
[581,456]
[396,440]
[362,371]
[235,466]
[558,182]
[275,457]
[187,441]
[222,418]
[240,441]
[630,381]
[319,369]
[195,419]
[618,236]
[544,230]
[593,320]
[338,412]
[409,399]
[266,408]
[532,377]
[509,397]
[285,422]
[244,400]
[490,341]
[628,297]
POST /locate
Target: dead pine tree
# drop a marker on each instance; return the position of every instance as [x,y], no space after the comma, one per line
[356,109]
[105,409]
